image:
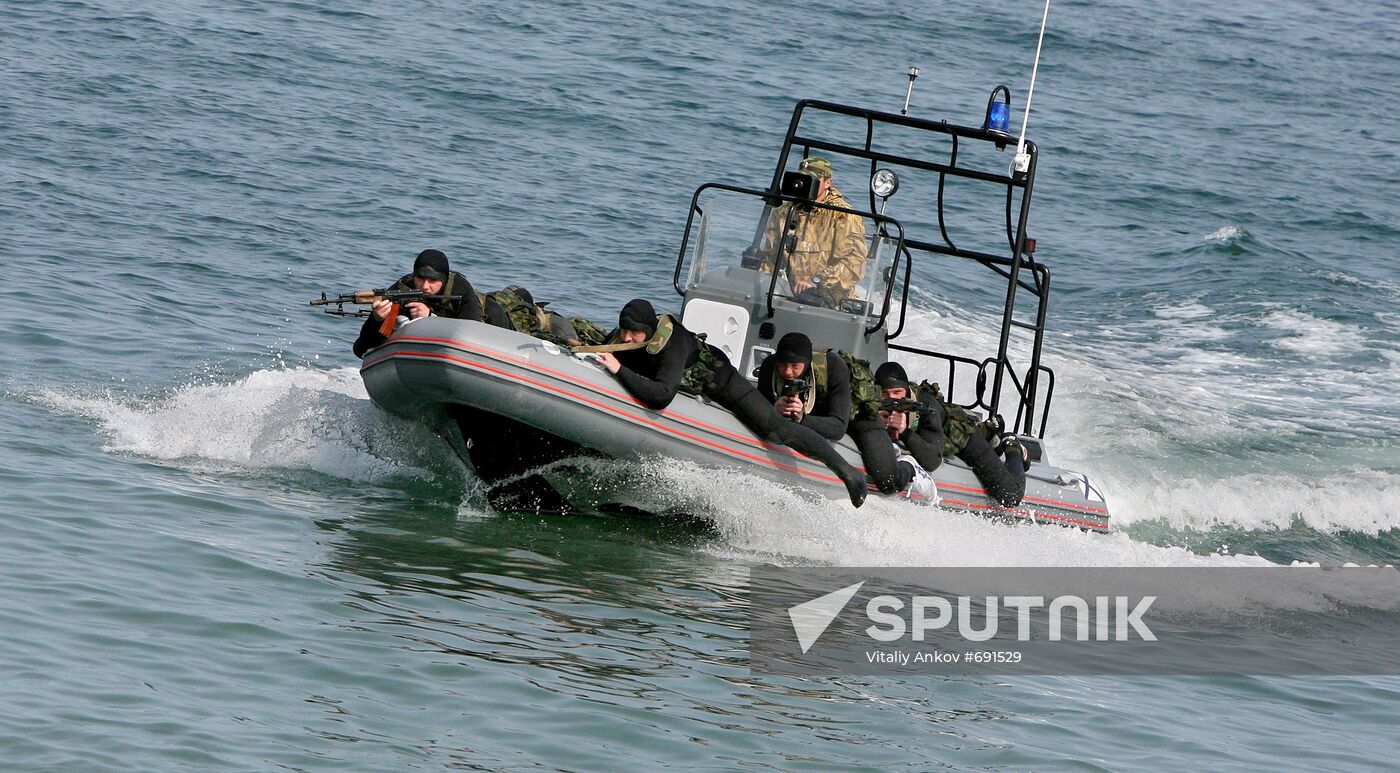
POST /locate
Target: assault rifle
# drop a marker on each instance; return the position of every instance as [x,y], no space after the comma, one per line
[897,404]
[371,297]
[903,405]
[794,388]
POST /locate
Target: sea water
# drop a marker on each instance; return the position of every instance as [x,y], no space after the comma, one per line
[216,553]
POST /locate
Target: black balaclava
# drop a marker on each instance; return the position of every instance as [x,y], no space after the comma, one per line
[891,375]
[638,315]
[794,347]
[431,264]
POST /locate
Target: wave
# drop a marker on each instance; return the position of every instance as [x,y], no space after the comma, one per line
[1228,233]
[772,523]
[1362,502]
[1196,436]
[1305,334]
[283,419]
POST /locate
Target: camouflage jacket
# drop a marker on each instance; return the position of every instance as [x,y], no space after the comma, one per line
[827,243]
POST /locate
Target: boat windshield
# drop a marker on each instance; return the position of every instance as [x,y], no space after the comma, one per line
[806,253]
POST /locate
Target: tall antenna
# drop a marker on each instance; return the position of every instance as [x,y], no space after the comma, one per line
[1023,159]
[913,73]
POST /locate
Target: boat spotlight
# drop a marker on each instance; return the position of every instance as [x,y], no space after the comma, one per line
[884,183]
[998,110]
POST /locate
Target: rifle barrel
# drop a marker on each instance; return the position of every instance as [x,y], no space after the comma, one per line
[368,297]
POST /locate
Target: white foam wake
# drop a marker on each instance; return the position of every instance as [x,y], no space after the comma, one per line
[294,418]
[1307,335]
[1364,502]
[761,522]
[1177,431]
[758,519]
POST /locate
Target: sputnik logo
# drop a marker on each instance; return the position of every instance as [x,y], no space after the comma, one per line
[811,618]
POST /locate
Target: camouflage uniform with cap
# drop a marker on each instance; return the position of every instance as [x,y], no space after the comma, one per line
[817,166]
[828,244]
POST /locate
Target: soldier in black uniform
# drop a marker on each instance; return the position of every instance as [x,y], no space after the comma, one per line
[815,394]
[673,358]
[431,276]
[935,429]
[916,428]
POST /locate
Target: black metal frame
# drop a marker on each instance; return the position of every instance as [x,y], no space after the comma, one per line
[1009,267]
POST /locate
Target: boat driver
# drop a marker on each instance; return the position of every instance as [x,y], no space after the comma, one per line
[825,249]
[654,357]
[431,276]
[815,393]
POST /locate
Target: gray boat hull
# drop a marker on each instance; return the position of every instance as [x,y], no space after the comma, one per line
[436,364]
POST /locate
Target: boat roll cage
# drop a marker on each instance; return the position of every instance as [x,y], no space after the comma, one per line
[1017,266]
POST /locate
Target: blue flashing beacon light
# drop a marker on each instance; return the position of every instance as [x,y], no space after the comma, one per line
[1000,117]
[998,110]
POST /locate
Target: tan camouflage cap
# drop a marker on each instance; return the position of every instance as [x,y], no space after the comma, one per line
[817,166]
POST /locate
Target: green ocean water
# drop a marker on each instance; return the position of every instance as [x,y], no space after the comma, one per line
[216,553]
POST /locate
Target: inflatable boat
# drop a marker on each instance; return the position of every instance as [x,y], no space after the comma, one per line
[518,404]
